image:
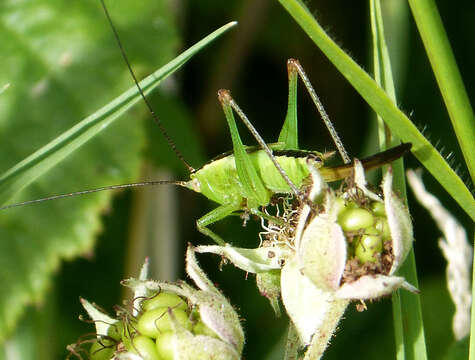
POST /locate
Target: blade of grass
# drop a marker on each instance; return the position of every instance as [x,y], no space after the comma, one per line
[400,125]
[448,77]
[28,170]
[407,313]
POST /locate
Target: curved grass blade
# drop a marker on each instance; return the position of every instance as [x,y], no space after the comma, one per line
[448,76]
[38,163]
[398,122]
[35,239]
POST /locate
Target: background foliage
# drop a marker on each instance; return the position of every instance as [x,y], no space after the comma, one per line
[63,63]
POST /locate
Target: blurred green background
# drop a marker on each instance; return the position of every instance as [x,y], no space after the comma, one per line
[62,63]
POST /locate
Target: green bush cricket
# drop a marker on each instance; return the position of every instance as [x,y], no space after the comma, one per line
[246,179]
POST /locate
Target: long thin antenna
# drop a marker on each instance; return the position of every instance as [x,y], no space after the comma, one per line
[83,192]
[154,116]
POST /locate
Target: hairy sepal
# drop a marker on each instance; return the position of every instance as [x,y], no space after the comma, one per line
[315,313]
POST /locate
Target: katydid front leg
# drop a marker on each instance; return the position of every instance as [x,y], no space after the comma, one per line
[224,211]
[213,216]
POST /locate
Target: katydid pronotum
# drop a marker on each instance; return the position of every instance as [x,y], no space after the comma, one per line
[246,179]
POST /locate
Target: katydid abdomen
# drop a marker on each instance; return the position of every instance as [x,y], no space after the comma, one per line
[219,180]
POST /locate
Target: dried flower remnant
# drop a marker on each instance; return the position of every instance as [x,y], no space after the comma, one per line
[168,321]
[347,248]
[456,250]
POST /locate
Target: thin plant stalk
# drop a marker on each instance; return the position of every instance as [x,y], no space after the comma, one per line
[407,313]
[453,91]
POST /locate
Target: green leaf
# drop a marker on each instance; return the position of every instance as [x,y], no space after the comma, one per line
[62,68]
[398,122]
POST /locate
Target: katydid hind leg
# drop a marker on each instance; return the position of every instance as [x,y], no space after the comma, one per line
[289,132]
[250,179]
[229,105]
[295,66]
[213,216]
